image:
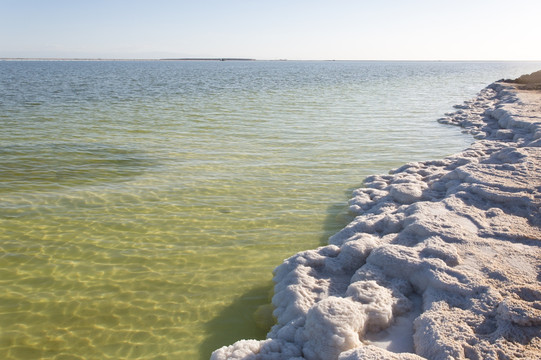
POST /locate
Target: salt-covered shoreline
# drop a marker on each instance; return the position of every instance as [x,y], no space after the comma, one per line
[442,261]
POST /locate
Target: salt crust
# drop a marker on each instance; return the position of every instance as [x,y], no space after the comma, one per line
[462,233]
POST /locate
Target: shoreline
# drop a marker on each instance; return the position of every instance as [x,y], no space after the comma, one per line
[456,238]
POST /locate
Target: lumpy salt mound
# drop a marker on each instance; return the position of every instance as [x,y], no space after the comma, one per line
[442,260]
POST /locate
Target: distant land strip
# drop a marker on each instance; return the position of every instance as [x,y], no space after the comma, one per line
[210,59]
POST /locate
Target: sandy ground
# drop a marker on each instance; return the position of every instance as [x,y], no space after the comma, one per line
[442,261]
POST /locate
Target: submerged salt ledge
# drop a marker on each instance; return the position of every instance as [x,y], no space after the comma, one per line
[442,259]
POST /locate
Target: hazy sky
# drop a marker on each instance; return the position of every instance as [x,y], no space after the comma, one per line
[273,29]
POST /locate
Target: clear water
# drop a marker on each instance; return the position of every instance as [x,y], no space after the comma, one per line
[144,205]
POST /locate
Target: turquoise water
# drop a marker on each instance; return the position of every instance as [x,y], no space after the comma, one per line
[144,205]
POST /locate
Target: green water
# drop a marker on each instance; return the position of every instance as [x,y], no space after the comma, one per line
[144,205]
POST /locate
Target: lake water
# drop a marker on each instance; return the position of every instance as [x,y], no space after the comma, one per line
[144,205]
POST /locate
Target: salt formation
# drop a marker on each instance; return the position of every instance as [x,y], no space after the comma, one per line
[442,261]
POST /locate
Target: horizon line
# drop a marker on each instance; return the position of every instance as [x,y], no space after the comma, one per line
[245,59]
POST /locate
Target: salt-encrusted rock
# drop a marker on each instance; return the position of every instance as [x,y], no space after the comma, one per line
[441,262]
[370,352]
[270,349]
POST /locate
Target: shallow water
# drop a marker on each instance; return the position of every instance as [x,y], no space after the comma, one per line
[144,205]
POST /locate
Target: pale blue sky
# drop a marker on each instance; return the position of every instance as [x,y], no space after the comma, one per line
[292,29]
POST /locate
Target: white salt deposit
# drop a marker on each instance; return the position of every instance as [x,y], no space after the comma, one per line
[442,260]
